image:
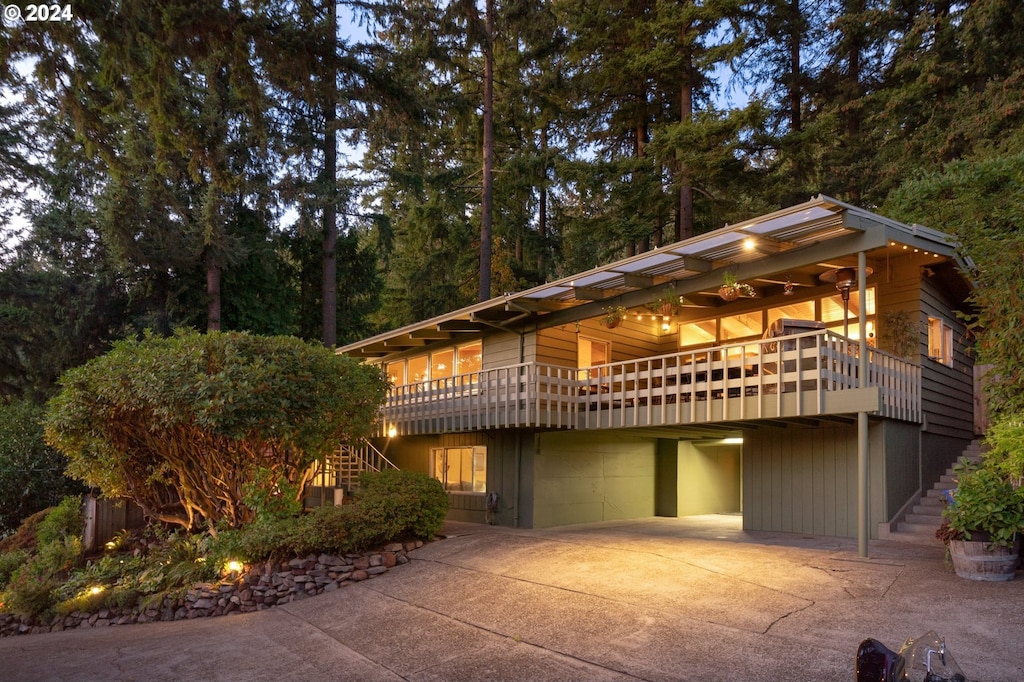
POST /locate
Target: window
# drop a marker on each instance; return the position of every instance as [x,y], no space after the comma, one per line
[940,341]
[460,469]
[469,358]
[396,372]
[801,310]
[743,326]
[417,369]
[695,334]
[442,366]
[437,366]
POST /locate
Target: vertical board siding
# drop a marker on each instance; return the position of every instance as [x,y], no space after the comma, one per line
[800,480]
[902,465]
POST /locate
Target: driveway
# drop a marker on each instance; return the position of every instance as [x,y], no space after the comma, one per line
[656,599]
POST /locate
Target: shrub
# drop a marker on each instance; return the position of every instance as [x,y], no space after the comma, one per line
[183,425]
[985,503]
[10,562]
[28,595]
[31,473]
[266,539]
[395,504]
[328,529]
[391,505]
[62,522]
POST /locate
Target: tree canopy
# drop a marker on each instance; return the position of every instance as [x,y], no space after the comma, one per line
[332,169]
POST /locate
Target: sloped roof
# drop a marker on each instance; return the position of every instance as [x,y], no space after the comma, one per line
[795,244]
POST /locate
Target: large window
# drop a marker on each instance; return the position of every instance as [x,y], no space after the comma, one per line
[437,365]
[460,469]
[832,313]
[751,325]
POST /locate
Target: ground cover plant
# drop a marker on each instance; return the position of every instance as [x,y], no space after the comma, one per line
[48,575]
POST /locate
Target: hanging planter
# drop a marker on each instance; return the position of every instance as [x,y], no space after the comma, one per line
[728,293]
[665,305]
[613,316]
[731,289]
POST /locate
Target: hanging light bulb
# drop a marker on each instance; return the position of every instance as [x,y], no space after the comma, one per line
[787,288]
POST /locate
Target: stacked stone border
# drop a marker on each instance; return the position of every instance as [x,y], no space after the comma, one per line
[255,588]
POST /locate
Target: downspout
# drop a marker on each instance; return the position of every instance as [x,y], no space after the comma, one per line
[863,472]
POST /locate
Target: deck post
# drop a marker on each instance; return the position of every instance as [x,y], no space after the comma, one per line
[863,472]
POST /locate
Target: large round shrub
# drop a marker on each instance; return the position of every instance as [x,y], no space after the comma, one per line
[187,425]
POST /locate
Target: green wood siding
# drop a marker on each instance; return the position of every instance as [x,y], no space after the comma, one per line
[947,392]
[902,479]
[709,479]
[502,350]
[586,477]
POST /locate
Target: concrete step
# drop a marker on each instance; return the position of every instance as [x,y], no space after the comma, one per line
[934,520]
[932,511]
[917,528]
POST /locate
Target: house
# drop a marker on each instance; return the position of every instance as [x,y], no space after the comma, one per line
[822,404]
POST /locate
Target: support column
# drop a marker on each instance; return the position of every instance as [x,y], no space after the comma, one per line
[863,472]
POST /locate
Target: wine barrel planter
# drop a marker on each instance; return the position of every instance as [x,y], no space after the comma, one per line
[976,560]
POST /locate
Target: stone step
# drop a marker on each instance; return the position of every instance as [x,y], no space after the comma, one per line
[933,499]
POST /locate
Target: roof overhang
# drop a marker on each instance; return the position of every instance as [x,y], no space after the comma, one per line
[794,244]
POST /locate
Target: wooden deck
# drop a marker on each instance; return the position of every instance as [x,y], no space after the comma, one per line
[802,375]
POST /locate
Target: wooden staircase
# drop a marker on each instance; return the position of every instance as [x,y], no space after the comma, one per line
[924,518]
[345,465]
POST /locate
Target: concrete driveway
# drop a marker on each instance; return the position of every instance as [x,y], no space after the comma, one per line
[656,599]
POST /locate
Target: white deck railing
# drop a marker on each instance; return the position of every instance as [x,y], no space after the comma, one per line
[800,375]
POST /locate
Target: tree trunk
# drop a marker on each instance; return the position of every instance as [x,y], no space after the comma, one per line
[542,200]
[794,65]
[329,285]
[685,180]
[488,169]
[212,294]
[686,116]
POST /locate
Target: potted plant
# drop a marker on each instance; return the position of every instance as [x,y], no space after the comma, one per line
[731,289]
[613,316]
[898,333]
[985,521]
[667,304]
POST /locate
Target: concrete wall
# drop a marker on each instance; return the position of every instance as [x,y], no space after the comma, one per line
[585,477]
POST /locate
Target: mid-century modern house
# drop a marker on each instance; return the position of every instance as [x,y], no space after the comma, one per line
[821,400]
